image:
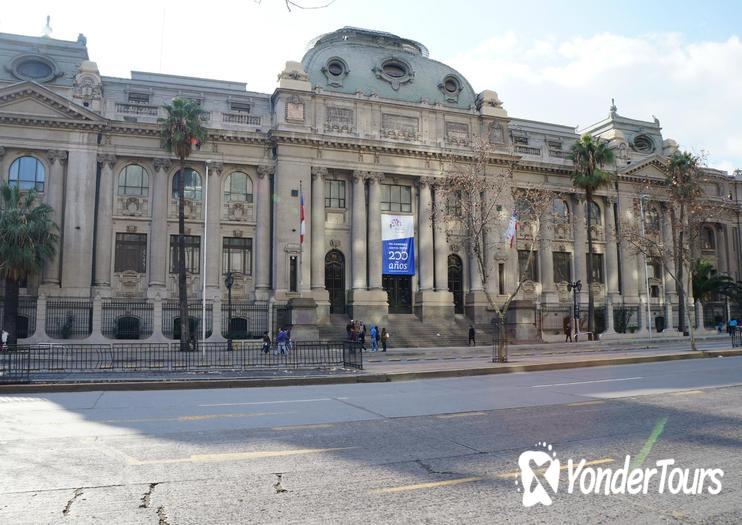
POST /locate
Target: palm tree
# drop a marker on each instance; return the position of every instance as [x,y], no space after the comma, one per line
[180,132]
[28,237]
[589,156]
[708,284]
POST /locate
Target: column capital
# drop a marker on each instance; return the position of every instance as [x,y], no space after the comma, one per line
[264,170]
[217,167]
[426,182]
[375,177]
[107,160]
[360,176]
[162,164]
[319,172]
[56,155]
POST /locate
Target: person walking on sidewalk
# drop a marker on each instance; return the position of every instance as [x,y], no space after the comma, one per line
[472,336]
[567,325]
[374,339]
[362,335]
[384,339]
[266,343]
[281,339]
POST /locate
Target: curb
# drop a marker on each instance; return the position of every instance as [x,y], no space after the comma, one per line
[369,378]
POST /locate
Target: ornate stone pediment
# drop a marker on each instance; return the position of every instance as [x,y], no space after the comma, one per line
[32,104]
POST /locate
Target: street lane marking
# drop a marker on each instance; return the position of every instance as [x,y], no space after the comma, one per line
[194,417]
[585,403]
[266,402]
[461,414]
[589,382]
[647,448]
[514,474]
[431,485]
[302,427]
[234,456]
[687,393]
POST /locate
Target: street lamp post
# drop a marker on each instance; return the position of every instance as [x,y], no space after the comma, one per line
[575,287]
[646,270]
[228,282]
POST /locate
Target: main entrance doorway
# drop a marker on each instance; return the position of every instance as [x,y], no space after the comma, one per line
[456,282]
[399,290]
[335,280]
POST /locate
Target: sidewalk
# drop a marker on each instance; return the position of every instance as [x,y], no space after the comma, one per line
[396,365]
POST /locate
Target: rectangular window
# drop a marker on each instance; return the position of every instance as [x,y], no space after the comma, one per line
[192,254]
[237,255]
[597,267]
[520,140]
[453,204]
[334,194]
[396,198]
[138,98]
[501,278]
[293,273]
[242,107]
[654,268]
[131,252]
[562,266]
[531,272]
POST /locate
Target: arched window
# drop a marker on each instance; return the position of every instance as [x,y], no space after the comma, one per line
[594,211]
[134,180]
[238,188]
[192,183]
[560,209]
[708,239]
[27,173]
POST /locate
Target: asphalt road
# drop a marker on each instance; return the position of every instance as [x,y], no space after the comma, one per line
[430,451]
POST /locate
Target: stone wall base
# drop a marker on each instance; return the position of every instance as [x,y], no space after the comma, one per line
[369,306]
[434,305]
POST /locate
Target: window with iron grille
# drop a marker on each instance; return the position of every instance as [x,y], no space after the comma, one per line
[237,255]
[334,194]
[396,198]
[192,254]
[528,271]
[562,266]
[131,252]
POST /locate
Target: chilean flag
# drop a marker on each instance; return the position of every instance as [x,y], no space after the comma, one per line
[301,217]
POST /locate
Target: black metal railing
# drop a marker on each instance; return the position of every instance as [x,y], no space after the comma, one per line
[736,334]
[171,318]
[249,320]
[26,320]
[118,357]
[714,314]
[69,318]
[127,319]
[626,319]
[15,367]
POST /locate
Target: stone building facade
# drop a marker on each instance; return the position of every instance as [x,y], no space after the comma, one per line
[360,127]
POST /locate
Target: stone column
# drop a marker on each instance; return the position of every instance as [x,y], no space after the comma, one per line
[374,231]
[611,255]
[425,227]
[358,231]
[580,240]
[159,243]
[721,249]
[670,285]
[546,265]
[55,199]
[631,270]
[104,225]
[318,227]
[263,248]
[213,240]
[440,248]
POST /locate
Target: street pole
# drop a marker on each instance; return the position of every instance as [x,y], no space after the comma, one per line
[575,288]
[228,282]
[203,272]
[646,271]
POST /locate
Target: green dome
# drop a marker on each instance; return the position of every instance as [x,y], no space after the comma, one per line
[352,60]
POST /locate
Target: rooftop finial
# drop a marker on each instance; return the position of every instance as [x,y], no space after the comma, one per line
[48,27]
[614,109]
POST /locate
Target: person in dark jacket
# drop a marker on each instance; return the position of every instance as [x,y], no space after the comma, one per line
[472,336]
[384,339]
[266,343]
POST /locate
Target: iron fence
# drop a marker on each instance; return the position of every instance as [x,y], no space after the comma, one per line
[15,367]
[281,317]
[127,319]
[26,320]
[714,314]
[249,320]
[626,319]
[736,334]
[171,318]
[122,357]
[69,318]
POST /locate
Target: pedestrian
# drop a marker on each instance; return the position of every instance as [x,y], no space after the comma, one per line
[567,327]
[472,336]
[5,340]
[266,342]
[281,339]
[362,336]
[349,330]
[384,339]
[374,339]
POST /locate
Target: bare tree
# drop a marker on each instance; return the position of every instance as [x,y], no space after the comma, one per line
[480,206]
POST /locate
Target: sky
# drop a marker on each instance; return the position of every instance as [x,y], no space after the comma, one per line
[553,61]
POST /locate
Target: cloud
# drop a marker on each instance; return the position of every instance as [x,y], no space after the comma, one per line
[692,87]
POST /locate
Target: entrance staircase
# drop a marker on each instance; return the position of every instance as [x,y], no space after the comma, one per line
[406,330]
